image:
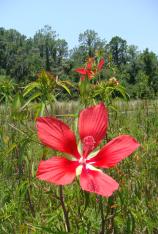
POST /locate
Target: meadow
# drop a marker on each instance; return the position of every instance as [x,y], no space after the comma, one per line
[29,206]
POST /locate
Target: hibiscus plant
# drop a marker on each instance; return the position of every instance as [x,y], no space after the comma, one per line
[85,160]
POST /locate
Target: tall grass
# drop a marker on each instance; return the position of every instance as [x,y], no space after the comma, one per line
[28,205]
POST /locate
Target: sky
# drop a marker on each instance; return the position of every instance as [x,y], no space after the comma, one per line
[136,21]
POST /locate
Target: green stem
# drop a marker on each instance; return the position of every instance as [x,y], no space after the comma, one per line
[61,195]
[24,133]
[102,231]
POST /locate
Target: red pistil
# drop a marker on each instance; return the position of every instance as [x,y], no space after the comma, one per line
[88,145]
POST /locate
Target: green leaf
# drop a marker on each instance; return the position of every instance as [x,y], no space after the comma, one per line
[64,86]
[31,99]
[11,148]
[30,87]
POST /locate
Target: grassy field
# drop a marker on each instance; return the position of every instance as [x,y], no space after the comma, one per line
[28,205]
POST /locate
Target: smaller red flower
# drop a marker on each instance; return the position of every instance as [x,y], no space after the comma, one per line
[90,70]
[92,127]
[100,65]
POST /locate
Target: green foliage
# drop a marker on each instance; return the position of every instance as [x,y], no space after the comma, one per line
[22,58]
[43,92]
[118,49]
[7,88]
[108,90]
[142,86]
[89,43]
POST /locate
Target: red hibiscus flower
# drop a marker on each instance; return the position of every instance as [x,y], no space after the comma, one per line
[92,127]
[89,71]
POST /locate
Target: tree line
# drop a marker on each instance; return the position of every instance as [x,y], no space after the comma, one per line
[21,59]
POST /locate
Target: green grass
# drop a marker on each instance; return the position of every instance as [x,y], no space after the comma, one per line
[28,205]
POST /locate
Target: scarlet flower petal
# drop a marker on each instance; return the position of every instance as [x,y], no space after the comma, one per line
[89,66]
[116,150]
[101,63]
[97,182]
[93,122]
[57,135]
[89,74]
[81,71]
[57,170]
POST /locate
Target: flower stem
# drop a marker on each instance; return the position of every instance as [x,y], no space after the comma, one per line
[67,222]
[102,231]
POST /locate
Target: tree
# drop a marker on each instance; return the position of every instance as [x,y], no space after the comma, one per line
[118,49]
[62,50]
[10,41]
[90,42]
[132,65]
[149,64]
[44,39]
[52,50]
[142,86]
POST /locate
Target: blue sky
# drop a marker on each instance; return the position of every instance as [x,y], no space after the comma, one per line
[133,20]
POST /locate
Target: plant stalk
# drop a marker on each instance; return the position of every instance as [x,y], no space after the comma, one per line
[66,217]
